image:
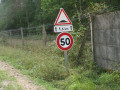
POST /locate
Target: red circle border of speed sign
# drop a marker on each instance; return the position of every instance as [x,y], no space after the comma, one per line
[58,38]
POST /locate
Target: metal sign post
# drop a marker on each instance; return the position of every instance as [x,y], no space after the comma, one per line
[66,61]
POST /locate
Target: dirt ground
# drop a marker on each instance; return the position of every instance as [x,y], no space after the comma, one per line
[21,79]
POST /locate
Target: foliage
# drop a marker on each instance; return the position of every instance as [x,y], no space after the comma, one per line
[97,8]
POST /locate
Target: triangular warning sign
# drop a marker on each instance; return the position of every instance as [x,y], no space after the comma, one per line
[62,18]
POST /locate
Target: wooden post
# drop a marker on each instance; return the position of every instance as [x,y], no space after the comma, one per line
[10,37]
[44,35]
[22,37]
[80,53]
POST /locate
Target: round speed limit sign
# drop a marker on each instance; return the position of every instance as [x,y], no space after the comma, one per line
[64,41]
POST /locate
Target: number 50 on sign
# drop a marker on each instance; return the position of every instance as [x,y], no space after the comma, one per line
[64,41]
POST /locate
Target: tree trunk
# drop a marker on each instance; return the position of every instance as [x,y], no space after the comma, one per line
[83,44]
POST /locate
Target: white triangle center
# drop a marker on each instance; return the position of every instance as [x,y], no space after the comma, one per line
[63,18]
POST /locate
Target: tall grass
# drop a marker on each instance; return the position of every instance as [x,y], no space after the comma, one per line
[48,64]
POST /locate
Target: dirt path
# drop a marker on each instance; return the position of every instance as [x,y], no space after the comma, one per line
[21,79]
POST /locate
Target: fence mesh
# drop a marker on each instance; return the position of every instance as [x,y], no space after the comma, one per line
[36,36]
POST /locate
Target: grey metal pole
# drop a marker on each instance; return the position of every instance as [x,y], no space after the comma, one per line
[66,61]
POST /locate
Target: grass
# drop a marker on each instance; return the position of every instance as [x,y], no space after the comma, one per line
[46,67]
[35,64]
[8,82]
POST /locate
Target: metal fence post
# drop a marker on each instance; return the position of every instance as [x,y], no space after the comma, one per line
[22,36]
[44,35]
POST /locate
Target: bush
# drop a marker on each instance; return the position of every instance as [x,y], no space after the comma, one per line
[77,82]
[49,71]
[109,80]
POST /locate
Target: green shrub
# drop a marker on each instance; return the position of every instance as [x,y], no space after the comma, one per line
[77,82]
[49,71]
[109,80]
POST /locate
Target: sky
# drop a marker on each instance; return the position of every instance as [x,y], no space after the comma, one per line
[0,1]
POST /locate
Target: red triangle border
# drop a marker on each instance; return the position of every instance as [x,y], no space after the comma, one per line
[56,22]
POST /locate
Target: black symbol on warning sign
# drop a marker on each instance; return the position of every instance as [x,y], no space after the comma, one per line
[62,21]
